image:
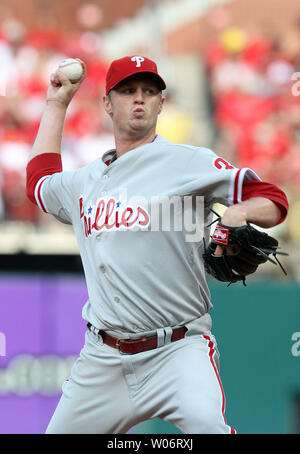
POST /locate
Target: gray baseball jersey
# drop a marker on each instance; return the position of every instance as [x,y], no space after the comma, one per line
[141,276]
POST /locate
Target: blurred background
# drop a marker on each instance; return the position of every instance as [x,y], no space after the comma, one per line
[232,70]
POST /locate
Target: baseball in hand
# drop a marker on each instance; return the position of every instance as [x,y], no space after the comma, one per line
[71,68]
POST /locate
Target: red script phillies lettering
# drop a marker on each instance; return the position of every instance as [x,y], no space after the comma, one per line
[110,215]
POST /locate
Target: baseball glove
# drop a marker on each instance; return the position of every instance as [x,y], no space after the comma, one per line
[250,248]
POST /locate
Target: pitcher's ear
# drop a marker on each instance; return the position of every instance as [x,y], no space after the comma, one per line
[163,98]
[107,104]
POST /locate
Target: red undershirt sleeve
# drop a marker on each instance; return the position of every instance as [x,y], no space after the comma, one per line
[51,188]
[255,188]
[37,168]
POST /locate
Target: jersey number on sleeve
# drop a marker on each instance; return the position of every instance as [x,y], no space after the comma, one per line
[222,164]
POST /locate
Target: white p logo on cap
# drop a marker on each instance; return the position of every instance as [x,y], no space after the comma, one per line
[138,60]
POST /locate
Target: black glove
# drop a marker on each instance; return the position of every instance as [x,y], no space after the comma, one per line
[250,248]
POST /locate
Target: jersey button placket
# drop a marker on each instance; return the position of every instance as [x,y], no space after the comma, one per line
[103,194]
[105,177]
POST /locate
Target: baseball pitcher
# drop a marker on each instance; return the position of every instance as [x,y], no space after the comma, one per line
[149,351]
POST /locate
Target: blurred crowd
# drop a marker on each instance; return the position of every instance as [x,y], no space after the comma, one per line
[27,60]
[255,102]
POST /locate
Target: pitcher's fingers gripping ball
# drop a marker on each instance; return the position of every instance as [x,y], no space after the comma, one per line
[72,68]
[66,80]
[249,248]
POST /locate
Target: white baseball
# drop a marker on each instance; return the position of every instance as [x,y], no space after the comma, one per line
[71,68]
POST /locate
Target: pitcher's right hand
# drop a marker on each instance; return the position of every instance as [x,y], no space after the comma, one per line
[61,89]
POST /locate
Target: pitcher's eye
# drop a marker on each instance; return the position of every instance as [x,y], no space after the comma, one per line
[151,91]
[128,91]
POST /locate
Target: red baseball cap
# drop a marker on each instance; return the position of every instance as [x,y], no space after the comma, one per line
[128,66]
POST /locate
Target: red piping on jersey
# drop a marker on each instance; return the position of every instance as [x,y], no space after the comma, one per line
[236,183]
[211,353]
[38,167]
[40,183]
